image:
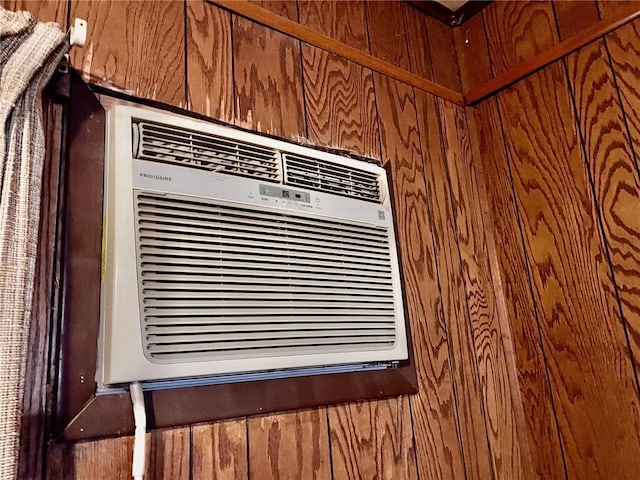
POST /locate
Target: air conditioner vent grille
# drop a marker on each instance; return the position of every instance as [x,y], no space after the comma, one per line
[220,281]
[310,173]
[204,151]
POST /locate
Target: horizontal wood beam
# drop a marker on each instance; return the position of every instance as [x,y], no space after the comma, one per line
[272,20]
[528,67]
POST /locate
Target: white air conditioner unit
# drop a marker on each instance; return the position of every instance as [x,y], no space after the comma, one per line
[230,252]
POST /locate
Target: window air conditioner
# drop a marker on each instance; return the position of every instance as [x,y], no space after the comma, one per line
[229,252]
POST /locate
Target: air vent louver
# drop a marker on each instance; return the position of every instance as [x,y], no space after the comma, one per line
[190,148]
[331,178]
[220,281]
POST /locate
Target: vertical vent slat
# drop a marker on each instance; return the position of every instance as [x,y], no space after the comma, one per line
[329,177]
[189,148]
[223,281]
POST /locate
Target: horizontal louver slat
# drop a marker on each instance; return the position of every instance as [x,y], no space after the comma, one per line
[280,319]
[187,205]
[176,265]
[263,311]
[171,329]
[190,148]
[329,177]
[235,216]
[238,276]
[311,335]
[230,290]
[209,245]
[267,296]
[162,229]
[220,280]
[268,260]
[288,345]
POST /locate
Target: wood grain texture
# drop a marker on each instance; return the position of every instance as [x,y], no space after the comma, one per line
[469,406]
[614,174]
[443,54]
[167,458]
[387,36]
[315,38]
[219,451]
[573,16]
[268,80]
[434,417]
[547,57]
[339,94]
[169,454]
[540,434]
[340,103]
[418,41]
[285,8]
[137,46]
[372,440]
[209,61]
[624,47]
[102,460]
[343,20]
[289,446]
[42,10]
[472,52]
[613,8]
[502,406]
[589,367]
[517,31]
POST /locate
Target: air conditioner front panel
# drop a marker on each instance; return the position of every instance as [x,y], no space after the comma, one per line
[210,273]
[221,281]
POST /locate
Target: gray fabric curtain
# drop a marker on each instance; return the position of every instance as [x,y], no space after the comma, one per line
[29,54]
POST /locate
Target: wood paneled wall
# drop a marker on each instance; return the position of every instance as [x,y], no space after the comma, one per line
[559,157]
[463,423]
[517,220]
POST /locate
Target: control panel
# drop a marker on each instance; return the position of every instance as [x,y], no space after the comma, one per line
[286,193]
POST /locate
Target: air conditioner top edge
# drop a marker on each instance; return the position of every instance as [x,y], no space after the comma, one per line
[122,112]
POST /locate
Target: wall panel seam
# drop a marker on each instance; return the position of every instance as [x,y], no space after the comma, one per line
[486,41]
[190,444]
[600,221]
[248,449]
[530,283]
[375,91]
[634,154]
[326,414]
[466,299]
[440,299]
[185,52]
[413,437]
[303,92]
[234,94]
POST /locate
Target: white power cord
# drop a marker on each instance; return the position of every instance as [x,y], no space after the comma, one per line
[140,419]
